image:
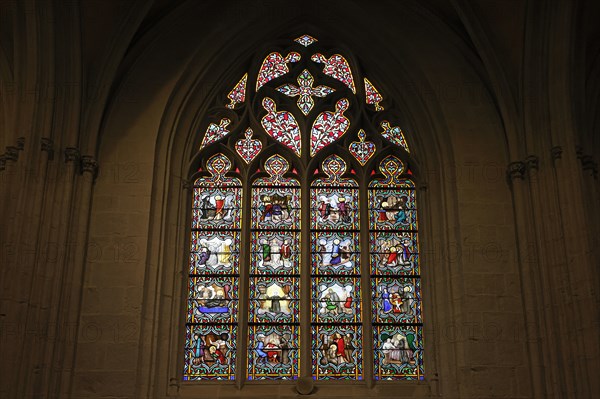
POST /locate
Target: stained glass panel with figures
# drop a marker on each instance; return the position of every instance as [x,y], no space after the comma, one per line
[336,299]
[210,352]
[335,252]
[396,300]
[335,269]
[273,352]
[336,208]
[395,275]
[275,252]
[336,352]
[305,104]
[274,311]
[212,305]
[212,299]
[398,352]
[274,299]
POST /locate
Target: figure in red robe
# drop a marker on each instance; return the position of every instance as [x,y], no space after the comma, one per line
[341,347]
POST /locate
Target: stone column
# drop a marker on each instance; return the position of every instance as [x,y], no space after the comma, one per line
[582,320]
[73,280]
[62,334]
[527,252]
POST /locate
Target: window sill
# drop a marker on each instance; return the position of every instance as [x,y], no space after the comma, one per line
[322,389]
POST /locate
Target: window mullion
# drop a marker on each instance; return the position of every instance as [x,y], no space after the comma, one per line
[366,291]
[244,294]
[305,283]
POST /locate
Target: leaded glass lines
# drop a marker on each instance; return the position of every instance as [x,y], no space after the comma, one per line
[373,96]
[212,308]
[394,135]
[281,125]
[274,66]
[345,251]
[215,132]
[329,126]
[305,91]
[238,93]
[362,150]
[274,275]
[337,67]
[335,274]
[395,275]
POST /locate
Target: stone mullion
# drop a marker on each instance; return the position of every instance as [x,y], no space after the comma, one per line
[73,278]
[365,284]
[577,251]
[305,284]
[516,174]
[244,284]
[552,329]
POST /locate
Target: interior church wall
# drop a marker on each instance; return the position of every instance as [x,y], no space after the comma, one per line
[95,205]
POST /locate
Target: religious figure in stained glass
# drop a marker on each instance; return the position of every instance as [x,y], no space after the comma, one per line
[274,282]
[210,352]
[212,286]
[274,299]
[336,352]
[338,299]
[273,352]
[212,299]
[397,338]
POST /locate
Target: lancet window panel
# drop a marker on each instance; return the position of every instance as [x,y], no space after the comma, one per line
[335,273]
[213,282]
[274,311]
[395,275]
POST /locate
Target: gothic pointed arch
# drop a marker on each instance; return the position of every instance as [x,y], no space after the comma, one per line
[304,258]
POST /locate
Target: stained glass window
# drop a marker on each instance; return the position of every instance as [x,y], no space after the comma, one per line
[395,275]
[211,325]
[274,274]
[238,93]
[283,183]
[335,253]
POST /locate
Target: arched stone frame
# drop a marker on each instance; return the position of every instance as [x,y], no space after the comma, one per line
[430,343]
[423,116]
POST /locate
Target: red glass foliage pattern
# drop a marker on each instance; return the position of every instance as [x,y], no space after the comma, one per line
[274,66]
[362,150]
[394,134]
[337,67]
[215,132]
[372,95]
[238,93]
[329,126]
[281,125]
[248,148]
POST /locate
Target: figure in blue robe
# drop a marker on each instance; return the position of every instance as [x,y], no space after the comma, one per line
[387,305]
